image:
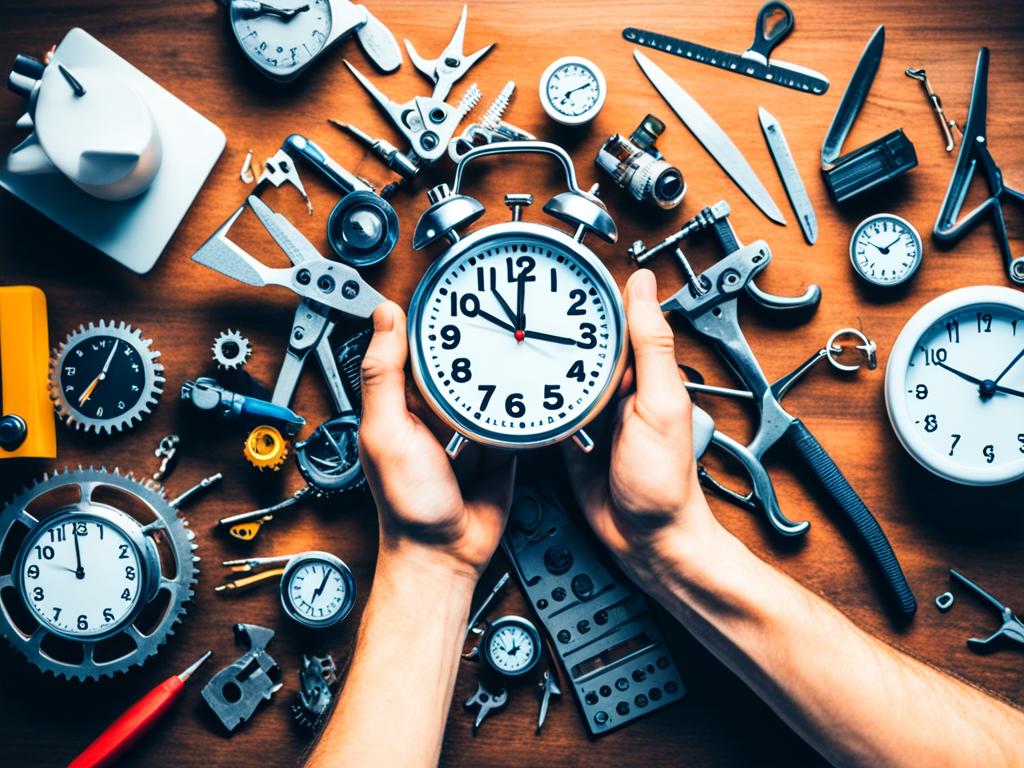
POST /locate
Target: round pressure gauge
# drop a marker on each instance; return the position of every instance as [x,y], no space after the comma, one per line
[885,250]
[572,90]
[317,589]
[511,647]
[954,386]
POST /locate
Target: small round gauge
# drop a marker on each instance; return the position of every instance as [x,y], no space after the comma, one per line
[511,646]
[104,377]
[885,250]
[82,575]
[281,37]
[317,589]
[954,386]
[572,90]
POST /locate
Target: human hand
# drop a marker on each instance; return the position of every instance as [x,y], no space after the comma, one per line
[426,512]
[639,488]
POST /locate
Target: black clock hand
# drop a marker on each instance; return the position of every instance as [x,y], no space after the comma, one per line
[79,570]
[879,248]
[550,337]
[1006,370]
[987,389]
[320,590]
[493,320]
[520,301]
[504,305]
[284,13]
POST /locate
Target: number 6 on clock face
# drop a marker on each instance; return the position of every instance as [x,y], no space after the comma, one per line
[517,335]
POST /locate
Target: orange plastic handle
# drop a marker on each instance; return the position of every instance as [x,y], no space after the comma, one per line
[24,356]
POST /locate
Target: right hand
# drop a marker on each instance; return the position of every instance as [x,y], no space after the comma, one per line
[639,489]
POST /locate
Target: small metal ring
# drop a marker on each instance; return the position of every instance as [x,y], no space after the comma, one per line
[867,347]
[944,601]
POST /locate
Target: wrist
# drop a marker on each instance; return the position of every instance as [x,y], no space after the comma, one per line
[408,563]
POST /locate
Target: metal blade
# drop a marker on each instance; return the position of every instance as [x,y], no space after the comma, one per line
[379,43]
[853,99]
[455,46]
[392,108]
[294,244]
[426,67]
[794,185]
[778,72]
[711,136]
[221,254]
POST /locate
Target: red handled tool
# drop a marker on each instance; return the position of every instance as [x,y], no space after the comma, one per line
[139,718]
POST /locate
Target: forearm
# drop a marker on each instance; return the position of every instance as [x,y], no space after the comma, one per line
[394,704]
[855,699]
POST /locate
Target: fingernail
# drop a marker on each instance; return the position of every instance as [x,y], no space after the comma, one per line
[643,286]
[384,318]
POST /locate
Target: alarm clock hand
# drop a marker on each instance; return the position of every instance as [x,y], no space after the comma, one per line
[550,337]
[79,570]
[504,305]
[320,590]
[1006,370]
[87,392]
[986,388]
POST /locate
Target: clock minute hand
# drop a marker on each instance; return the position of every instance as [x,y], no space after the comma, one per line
[87,392]
[1006,370]
[550,337]
[323,584]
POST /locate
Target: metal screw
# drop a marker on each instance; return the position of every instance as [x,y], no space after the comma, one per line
[325,283]
[429,141]
[303,277]
[350,289]
[13,430]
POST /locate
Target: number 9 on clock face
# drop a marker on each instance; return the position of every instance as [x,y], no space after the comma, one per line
[517,336]
[954,386]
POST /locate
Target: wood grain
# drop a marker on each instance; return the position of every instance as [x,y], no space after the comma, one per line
[187,47]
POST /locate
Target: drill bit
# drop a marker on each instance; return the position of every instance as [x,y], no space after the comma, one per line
[492,117]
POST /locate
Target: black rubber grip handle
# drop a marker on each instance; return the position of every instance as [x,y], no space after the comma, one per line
[860,516]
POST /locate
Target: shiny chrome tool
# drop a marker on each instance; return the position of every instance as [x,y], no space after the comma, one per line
[947,124]
[711,136]
[636,165]
[791,181]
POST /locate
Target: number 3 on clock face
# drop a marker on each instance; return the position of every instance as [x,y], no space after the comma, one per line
[517,336]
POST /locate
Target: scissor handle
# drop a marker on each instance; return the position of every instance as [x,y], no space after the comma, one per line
[767,37]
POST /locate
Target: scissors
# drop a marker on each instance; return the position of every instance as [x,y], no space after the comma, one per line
[974,151]
[452,64]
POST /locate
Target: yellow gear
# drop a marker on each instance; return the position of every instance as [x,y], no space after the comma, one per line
[265,448]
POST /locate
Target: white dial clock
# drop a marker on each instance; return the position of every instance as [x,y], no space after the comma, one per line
[281,37]
[572,90]
[954,386]
[885,250]
[517,331]
[81,574]
[510,646]
[317,589]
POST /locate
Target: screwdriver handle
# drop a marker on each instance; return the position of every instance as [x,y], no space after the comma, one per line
[126,730]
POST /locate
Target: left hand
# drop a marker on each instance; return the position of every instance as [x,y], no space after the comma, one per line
[426,511]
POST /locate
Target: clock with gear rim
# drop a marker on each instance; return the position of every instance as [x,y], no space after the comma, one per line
[517,331]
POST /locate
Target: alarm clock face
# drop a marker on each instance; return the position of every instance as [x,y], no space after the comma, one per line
[281,37]
[318,589]
[517,335]
[955,386]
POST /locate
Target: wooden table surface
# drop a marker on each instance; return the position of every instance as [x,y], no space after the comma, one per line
[187,47]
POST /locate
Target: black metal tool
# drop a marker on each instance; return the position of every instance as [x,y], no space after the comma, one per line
[601,627]
[755,61]
[1012,629]
[710,303]
[974,151]
[875,163]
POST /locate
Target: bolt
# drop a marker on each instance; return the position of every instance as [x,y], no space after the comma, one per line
[325,283]
[299,333]
[558,559]
[303,277]
[429,141]
[564,636]
[13,430]
[601,717]
[558,594]
[350,289]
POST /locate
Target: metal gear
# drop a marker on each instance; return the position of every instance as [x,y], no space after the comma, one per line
[265,448]
[165,522]
[231,350]
[329,458]
[147,398]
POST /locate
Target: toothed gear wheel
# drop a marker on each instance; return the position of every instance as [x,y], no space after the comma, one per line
[114,368]
[231,350]
[265,448]
[161,522]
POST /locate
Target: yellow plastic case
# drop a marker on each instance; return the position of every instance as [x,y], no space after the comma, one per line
[24,361]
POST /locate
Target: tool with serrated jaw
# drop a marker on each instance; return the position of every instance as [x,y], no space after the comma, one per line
[711,136]
[791,181]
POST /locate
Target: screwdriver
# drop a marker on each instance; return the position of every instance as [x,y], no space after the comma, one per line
[139,718]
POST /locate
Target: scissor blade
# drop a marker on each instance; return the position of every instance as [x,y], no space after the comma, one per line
[392,108]
[853,98]
[791,181]
[294,244]
[454,47]
[221,254]
[711,136]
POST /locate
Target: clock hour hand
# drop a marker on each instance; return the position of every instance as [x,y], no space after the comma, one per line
[256,8]
[504,305]
[493,320]
[323,584]
[986,387]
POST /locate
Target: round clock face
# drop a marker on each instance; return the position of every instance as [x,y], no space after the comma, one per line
[885,249]
[283,35]
[318,591]
[512,646]
[955,386]
[572,90]
[517,336]
[80,575]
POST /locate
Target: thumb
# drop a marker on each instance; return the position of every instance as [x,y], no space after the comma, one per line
[659,389]
[383,375]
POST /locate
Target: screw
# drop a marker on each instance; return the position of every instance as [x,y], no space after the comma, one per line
[350,289]
[12,431]
[325,283]
[429,141]
[303,277]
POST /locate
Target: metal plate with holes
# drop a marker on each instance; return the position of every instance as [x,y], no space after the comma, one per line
[600,626]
